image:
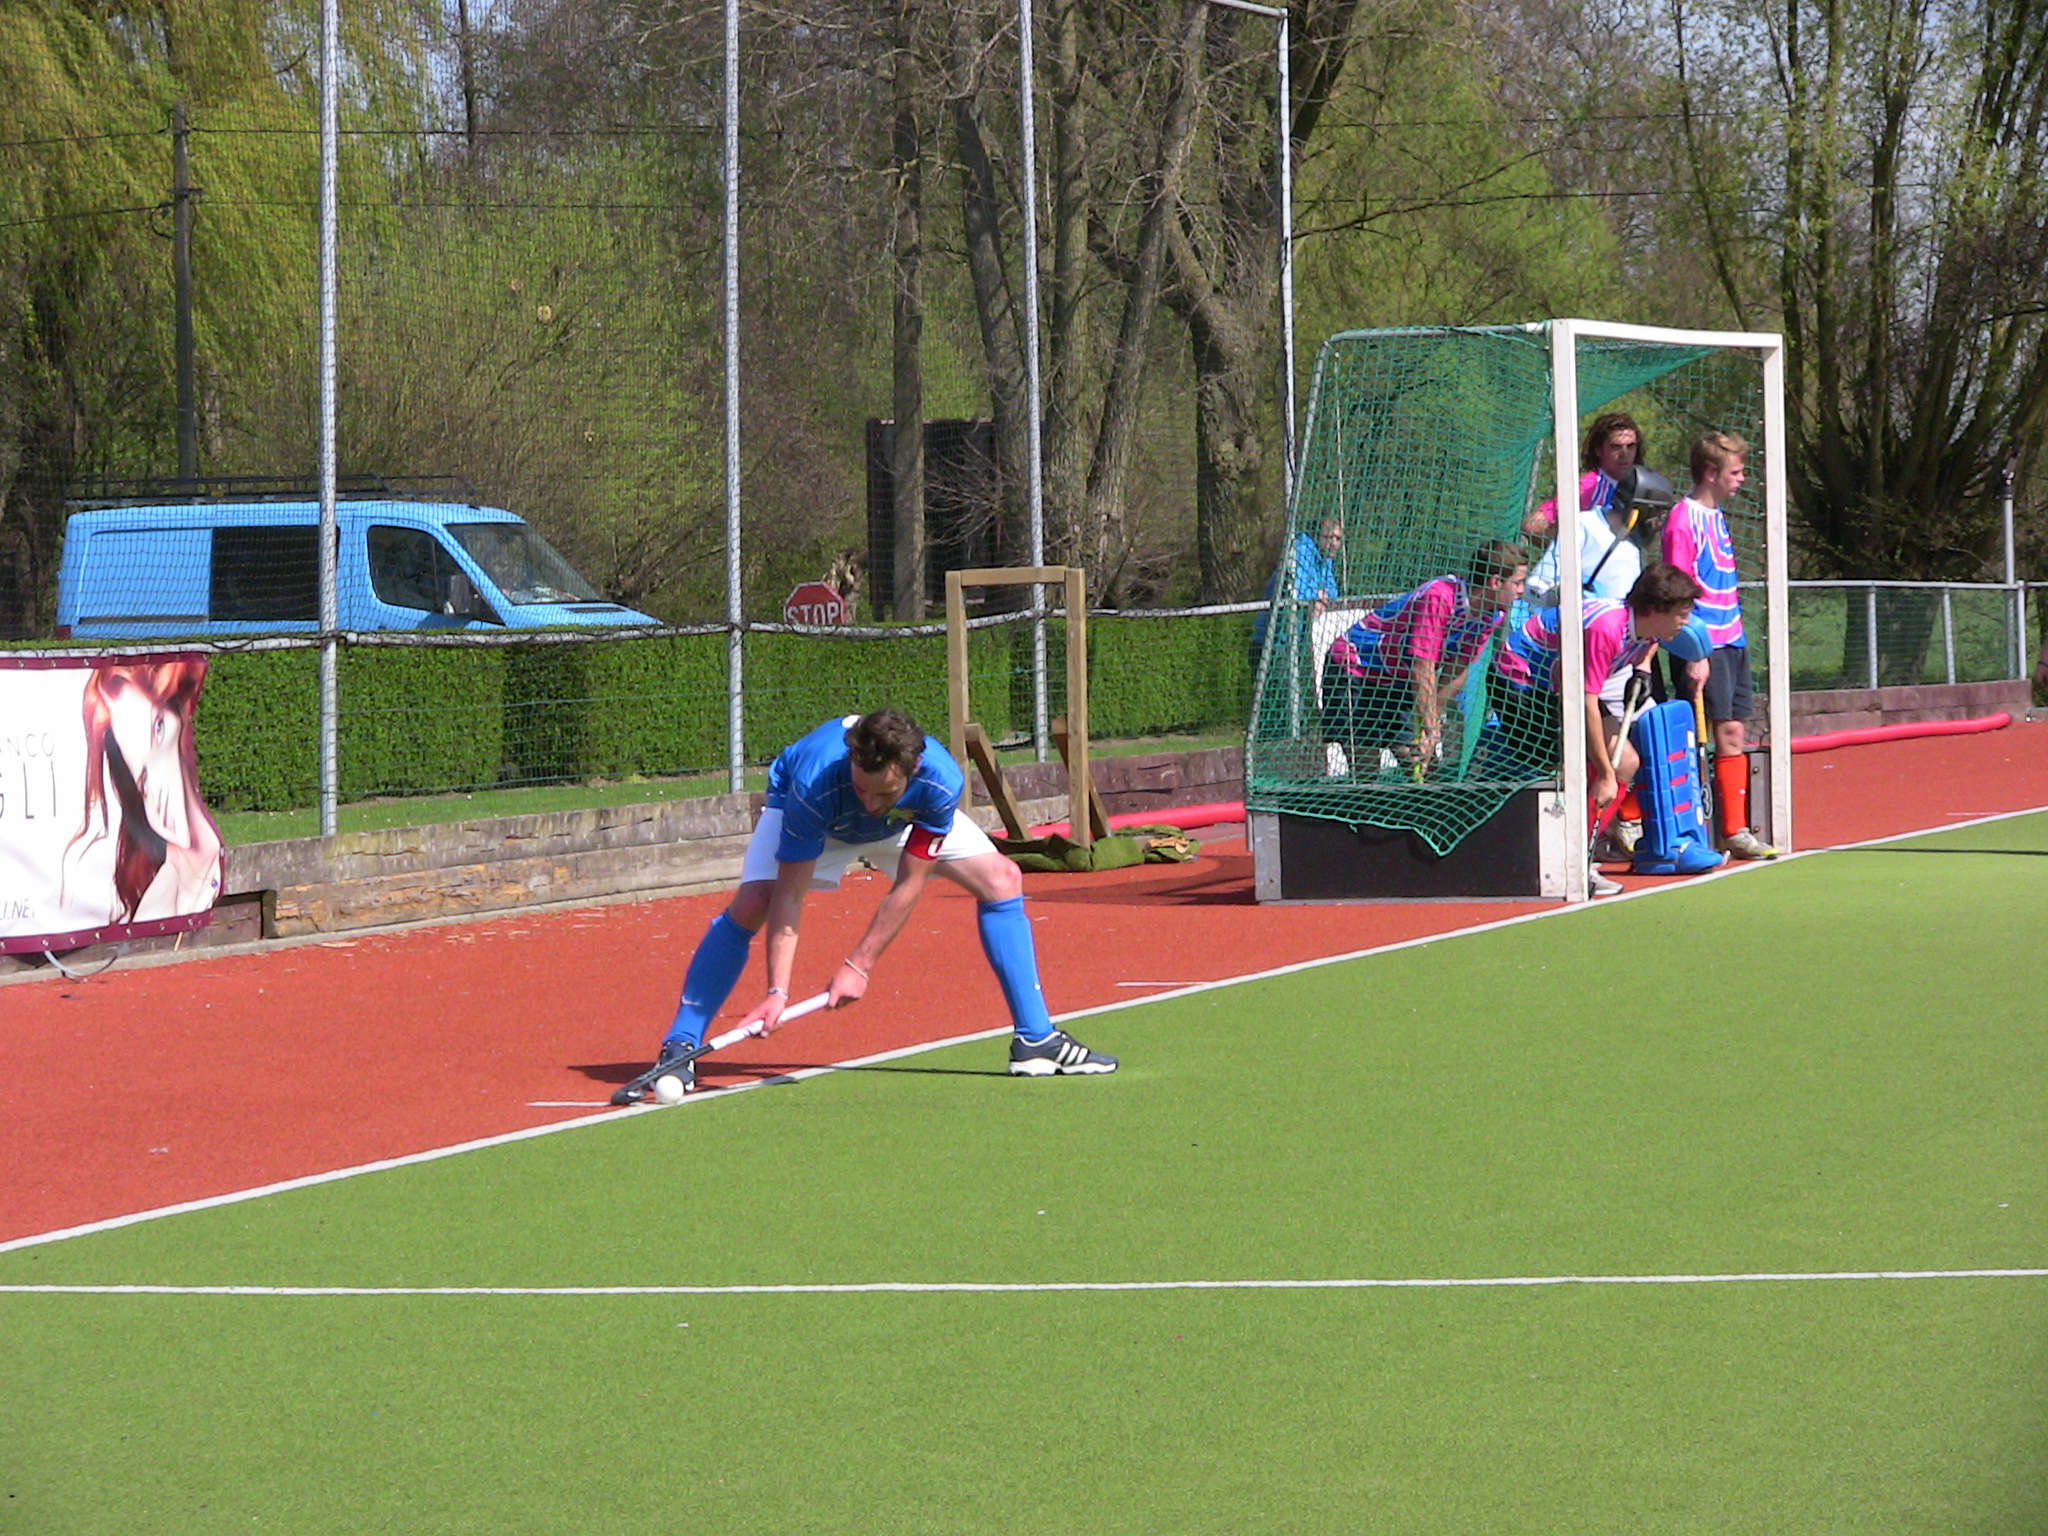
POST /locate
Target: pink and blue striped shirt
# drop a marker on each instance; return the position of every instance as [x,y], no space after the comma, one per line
[1611,642]
[1434,623]
[1696,540]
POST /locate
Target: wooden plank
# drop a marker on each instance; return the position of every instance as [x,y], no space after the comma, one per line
[1098,815]
[983,752]
[1082,828]
[956,677]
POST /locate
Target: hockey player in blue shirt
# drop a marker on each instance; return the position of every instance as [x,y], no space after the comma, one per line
[871,787]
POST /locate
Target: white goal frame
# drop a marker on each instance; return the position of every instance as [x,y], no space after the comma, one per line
[1777,675]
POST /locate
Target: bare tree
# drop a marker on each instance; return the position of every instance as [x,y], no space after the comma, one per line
[1900,181]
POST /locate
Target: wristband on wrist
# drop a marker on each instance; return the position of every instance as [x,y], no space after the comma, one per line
[863,975]
[777,992]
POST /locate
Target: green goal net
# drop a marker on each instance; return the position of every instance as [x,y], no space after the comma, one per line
[1425,450]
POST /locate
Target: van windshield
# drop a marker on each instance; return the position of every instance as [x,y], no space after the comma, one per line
[523,565]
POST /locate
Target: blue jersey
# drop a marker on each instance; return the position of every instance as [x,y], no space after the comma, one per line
[811,783]
[1315,575]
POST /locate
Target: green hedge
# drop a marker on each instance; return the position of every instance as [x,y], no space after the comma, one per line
[435,719]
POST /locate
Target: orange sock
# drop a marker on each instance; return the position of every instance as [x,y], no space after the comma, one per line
[1731,792]
[1631,809]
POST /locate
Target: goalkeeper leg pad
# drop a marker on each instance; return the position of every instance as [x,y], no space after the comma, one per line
[1674,841]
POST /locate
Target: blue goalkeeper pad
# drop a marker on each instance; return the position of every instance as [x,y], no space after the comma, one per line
[1674,840]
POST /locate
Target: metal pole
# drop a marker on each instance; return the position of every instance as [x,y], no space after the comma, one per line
[2015,600]
[1777,596]
[1034,425]
[1571,619]
[1285,134]
[1948,633]
[735,607]
[1870,632]
[330,156]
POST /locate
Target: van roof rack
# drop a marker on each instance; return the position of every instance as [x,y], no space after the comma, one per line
[157,490]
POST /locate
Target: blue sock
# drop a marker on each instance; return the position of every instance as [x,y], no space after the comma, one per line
[714,971]
[1006,940]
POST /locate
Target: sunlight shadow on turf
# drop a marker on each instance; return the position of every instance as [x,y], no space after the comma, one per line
[610,1071]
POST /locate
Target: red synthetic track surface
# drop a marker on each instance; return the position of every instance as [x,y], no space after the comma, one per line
[147,1086]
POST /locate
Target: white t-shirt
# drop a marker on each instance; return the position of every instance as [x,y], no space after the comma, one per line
[1596,536]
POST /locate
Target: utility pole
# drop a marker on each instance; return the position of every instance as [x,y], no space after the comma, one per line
[182,194]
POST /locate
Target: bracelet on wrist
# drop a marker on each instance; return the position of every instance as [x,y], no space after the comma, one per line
[777,992]
[863,975]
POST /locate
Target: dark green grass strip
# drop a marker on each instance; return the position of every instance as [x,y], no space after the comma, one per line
[1839,1064]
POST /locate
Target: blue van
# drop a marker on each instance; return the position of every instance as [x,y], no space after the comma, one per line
[212,569]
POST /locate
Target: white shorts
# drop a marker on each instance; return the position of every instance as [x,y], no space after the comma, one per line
[963,840]
[1611,691]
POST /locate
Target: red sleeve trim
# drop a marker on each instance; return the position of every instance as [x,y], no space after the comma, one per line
[923,843]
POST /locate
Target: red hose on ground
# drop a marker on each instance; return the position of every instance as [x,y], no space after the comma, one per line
[1222,812]
[1186,817]
[1829,740]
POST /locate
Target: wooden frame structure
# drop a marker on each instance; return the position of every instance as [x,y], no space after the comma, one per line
[969,741]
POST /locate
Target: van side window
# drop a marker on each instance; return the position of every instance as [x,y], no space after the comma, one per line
[266,574]
[409,568]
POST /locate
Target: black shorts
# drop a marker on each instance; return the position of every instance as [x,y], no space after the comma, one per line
[1729,696]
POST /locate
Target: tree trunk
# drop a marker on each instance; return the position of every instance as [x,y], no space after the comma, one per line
[997,306]
[1068,419]
[1232,526]
[907,461]
[1103,526]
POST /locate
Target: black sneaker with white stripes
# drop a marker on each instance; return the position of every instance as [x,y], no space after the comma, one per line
[1058,1052]
[683,1071]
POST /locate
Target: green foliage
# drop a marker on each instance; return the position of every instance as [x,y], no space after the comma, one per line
[419,720]
[258,730]
[1147,677]
[409,719]
[1421,206]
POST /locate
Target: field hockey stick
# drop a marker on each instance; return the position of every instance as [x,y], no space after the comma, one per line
[642,1085]
[1703,747]
[1635,698]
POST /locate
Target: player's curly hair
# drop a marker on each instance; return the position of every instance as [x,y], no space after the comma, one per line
[1662,589]
[888,738]
[1605,426]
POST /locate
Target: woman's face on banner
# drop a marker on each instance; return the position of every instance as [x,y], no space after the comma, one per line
[149,736]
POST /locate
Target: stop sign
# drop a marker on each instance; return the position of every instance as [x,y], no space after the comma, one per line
[814,603]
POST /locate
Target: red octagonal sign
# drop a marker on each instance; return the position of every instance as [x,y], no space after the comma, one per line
[814,603]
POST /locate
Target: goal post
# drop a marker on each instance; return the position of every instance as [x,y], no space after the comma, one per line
[1566,339]
[1427,448]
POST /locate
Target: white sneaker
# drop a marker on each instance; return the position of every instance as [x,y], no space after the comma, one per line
[1626,835]
[1335,760]
[1600,885]
[1747,845]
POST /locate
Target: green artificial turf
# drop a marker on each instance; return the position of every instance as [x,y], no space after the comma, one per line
[1834,1065]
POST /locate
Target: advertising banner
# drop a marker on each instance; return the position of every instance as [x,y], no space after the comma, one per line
[103,835]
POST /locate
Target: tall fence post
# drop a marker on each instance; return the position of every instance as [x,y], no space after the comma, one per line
[735,604]
[330,617]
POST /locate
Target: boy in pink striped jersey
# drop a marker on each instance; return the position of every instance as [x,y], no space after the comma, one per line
[1696,540]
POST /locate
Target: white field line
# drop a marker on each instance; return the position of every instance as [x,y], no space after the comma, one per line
[612,1116]
[1003,1288]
